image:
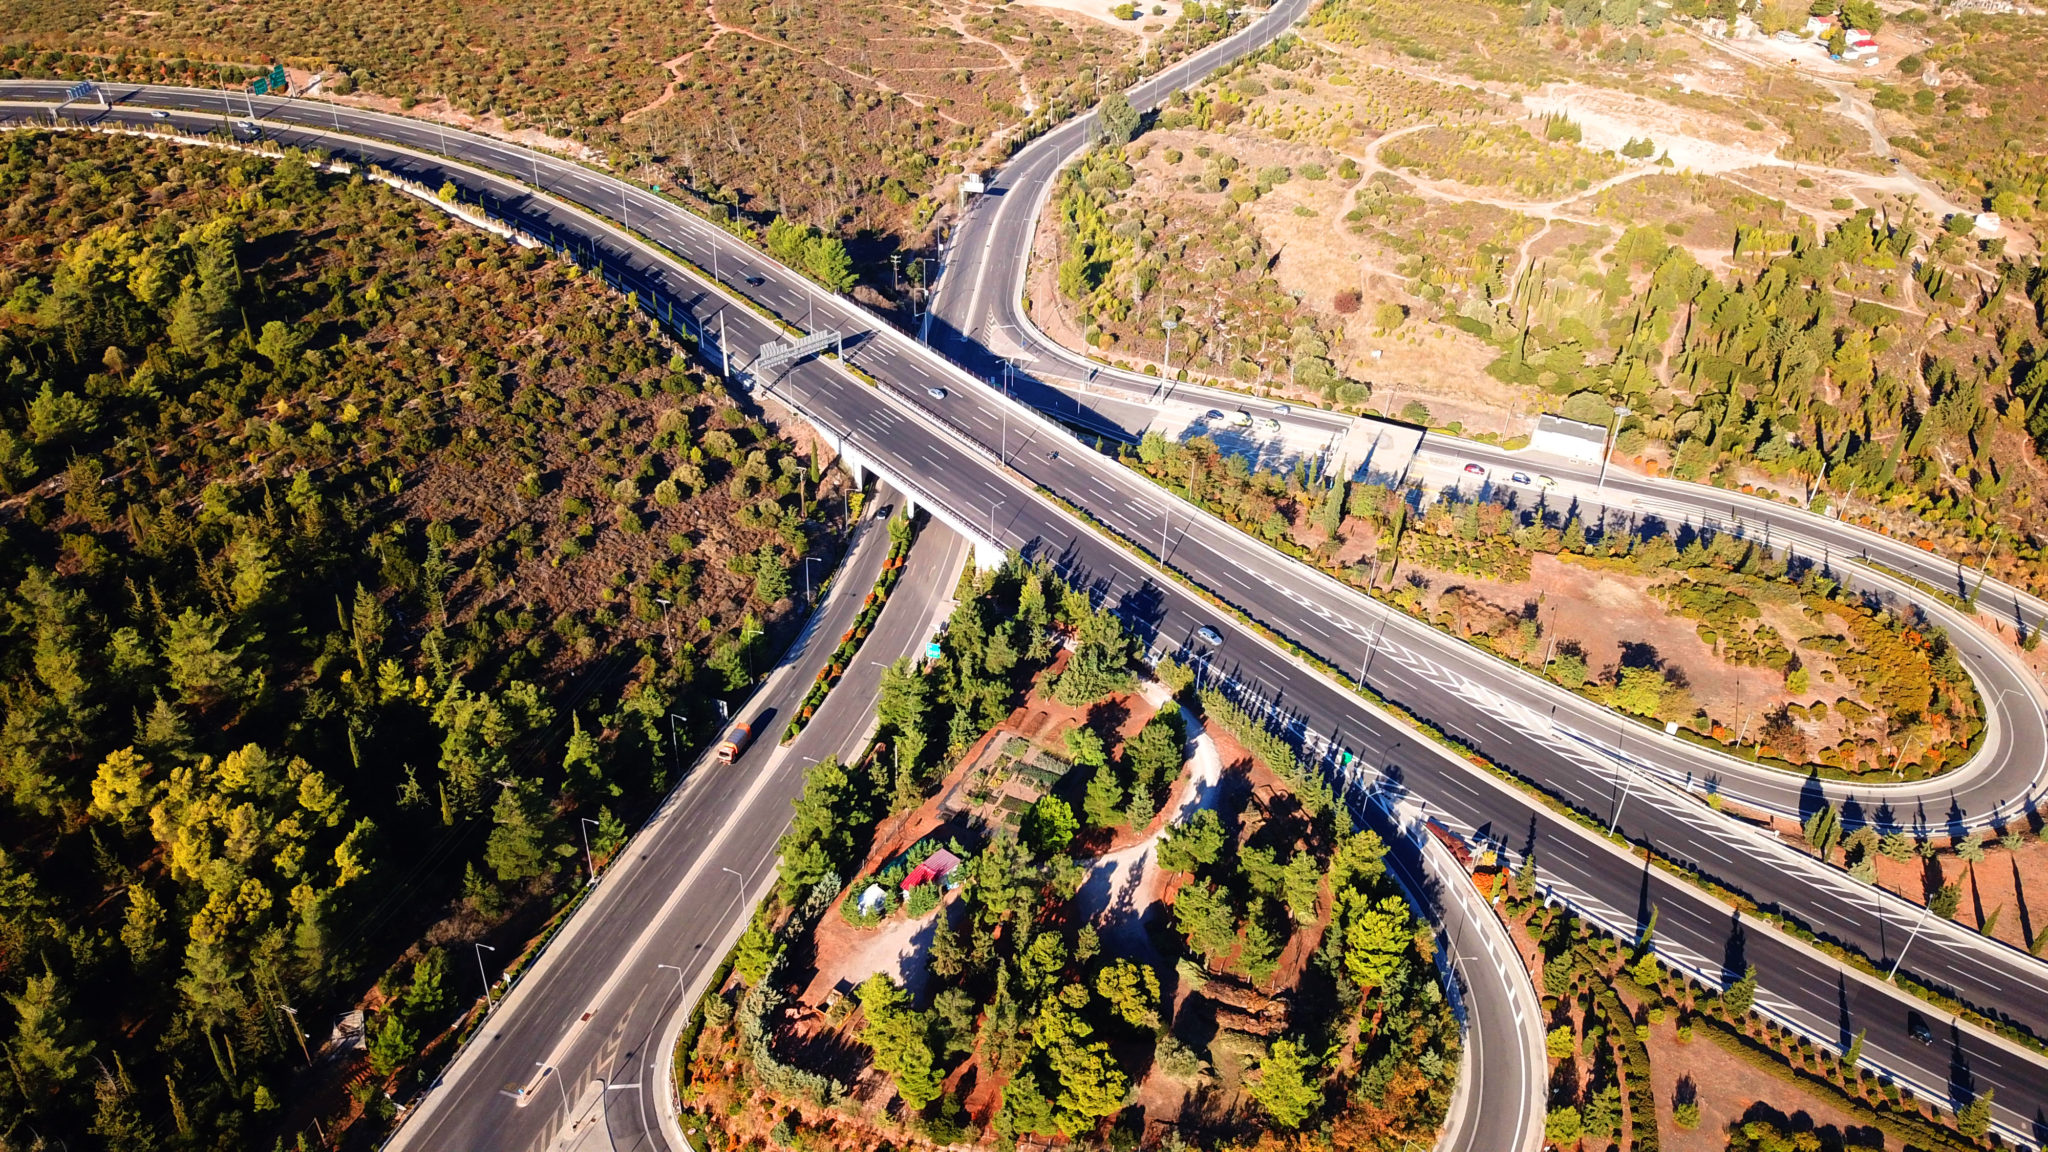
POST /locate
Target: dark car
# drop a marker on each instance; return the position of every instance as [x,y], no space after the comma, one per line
[1916,1027]
[754,279]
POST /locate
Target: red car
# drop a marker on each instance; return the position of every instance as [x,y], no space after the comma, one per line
[1475,469]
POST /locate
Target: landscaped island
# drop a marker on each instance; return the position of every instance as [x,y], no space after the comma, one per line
[1051,902]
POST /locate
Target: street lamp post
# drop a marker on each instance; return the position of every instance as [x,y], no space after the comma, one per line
[1169,324]
[1627,786]
[482,948]
[293,1013]
[1607,454]
[681,992]
[547,1069]
[807,562]
[1909,943]
[589,860]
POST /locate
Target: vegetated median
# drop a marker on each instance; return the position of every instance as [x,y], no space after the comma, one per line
[1991,1018]
[1728,643]
[902,532]
[947,959]
[1613,1010]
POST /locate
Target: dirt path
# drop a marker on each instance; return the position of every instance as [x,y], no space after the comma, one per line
[1123,886]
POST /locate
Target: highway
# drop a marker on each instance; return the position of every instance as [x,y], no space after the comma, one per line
[596,1006]
[1504,1057]
[978,311]
[898,426]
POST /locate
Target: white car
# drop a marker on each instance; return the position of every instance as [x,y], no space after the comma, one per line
[936,393]
[1269,425]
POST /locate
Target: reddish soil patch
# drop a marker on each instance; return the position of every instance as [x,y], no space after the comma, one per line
[1726,1087]
[2011,887]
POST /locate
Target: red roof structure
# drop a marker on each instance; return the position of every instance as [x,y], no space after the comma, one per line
[936,866]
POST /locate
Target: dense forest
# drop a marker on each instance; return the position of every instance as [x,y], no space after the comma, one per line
[350,557]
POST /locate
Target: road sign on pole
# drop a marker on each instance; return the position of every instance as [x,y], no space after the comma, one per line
[83,90]
[777,353]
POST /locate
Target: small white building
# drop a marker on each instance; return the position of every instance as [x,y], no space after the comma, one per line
[1570,439]
[874,901]
[1987,223]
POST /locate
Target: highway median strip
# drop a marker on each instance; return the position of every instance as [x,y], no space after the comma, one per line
[902,533]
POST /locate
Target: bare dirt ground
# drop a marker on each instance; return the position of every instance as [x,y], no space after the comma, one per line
[1147,27]
[2011,887]
[1726,1089]
[1606,612]
[1123,885]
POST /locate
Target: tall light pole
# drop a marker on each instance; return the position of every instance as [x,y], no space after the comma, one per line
[589,861]
[807,562]
[992,506]
[681,992]
[293,1013]
[1008,369]
[1909,943]
[1169,324]
[1606,454]
[482,948]
[547,1069]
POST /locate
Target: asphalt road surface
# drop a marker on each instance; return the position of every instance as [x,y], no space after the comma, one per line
[594,1006]
[977,312]
[899,427]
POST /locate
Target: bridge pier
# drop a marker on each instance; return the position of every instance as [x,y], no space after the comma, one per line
[989,554]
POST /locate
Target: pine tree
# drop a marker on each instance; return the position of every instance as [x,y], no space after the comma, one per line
[1119,120]
[1741,995]
[516,847]
[46,1049]
[1290,1084]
